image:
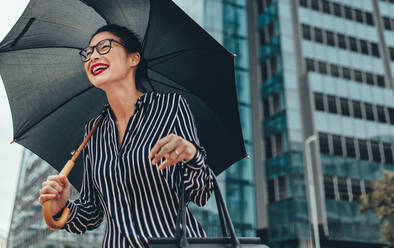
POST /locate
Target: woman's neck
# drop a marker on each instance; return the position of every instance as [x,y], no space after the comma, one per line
[122,97]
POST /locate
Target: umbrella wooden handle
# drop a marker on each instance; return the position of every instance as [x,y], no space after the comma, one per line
[47,206]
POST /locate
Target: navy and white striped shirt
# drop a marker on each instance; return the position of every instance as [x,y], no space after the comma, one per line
[138,199]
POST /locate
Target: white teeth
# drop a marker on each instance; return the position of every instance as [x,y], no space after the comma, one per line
[99,67]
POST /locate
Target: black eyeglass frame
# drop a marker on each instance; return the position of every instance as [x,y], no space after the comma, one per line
[98,50]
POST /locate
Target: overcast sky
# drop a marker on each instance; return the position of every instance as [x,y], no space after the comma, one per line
[10,155]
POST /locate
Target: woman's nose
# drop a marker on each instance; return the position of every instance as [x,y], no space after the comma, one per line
[95,55]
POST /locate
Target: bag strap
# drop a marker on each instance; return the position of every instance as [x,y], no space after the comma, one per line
[224,215]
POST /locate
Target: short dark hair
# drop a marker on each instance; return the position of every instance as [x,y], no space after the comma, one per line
[132,44]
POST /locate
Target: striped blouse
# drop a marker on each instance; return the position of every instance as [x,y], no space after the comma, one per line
[137,199]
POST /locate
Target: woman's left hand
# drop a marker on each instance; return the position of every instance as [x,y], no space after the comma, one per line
[174,148]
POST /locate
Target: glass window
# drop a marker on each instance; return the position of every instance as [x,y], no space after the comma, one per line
[330,38]
[342,189]
[329,187]
[323,143]
[375,151]
[341,41]
[387,23]
[357,109]
[388,153]
[369,78]
[337,9]
[363,149]
[392,53]
[391,115]
[381,115]
[350,148]
[274,65]
[326,7]
[318,35]
[315,4]
[276,102]
[322,67]
[364,47]
[369,112]
[380,80]
[337,145]
[282,187]
[345,107]
[319,102]
[334,71]
[346,73]
[374,49]
[271,190]
[348,13]
[353,44]
[369,18]
[310,65]
[266,108]
[358,76]
[356,189]
[332,105]
[268,148]
[359,16]
[264,71]
[279,149]
[303,3]
[306,32]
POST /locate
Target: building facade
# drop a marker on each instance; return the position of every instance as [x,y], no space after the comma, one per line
[226,21]
[27,228]
[325,91]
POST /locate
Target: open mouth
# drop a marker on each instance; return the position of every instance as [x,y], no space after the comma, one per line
[98,68]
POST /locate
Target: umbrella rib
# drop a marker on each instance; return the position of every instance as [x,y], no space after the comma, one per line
[58,107]
[31,20]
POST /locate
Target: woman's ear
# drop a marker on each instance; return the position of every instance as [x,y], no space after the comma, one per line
[134,59]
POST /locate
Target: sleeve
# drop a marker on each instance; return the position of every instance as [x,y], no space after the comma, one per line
[198,175]
[86,212]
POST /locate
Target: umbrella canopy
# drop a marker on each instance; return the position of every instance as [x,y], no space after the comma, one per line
[51,98]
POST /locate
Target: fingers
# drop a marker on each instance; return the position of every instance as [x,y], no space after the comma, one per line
[52,188]
[45,197]
[156,148]
[167,148]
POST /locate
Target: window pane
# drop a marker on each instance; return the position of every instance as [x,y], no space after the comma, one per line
[388,153]
[381,114]
[337,9]
[346,73]
[380,80]
[306,32]
[334,70]
[356,189]
[341,41]
[319,102]
[350,148]
[332,105]
[266,108]
[357,109]
[282,187]
[387,23]
[364,46]
[271,190]
[337,145]
[369,112]
[374,49]
[344,107]
[329,187]
[279,144]
[369,78]
[310,65]
[359,16]
[330,38]
[315,4]
[268,147]
[326,7]
[318,35]
[353,44]
[323,143]
[375,151]
[391,115]
[342,189]
[322,67]
[358,76]
[369,18]
[363,149]
[348,13]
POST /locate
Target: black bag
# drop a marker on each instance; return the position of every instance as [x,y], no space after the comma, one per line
[180,239]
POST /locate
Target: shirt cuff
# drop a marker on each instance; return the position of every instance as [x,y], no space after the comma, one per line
[72,208]
[199,158]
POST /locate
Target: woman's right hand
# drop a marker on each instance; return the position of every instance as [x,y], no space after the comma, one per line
[57,189]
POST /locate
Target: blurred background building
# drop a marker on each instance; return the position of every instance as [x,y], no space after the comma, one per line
[316,101]
[324,74]
[28,228]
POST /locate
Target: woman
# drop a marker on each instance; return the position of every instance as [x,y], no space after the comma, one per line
[134,159]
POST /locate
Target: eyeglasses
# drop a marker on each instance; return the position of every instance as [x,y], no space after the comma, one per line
[102,47]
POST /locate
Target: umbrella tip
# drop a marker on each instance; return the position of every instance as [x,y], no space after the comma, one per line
[234,55]
[13,141]
[247,156]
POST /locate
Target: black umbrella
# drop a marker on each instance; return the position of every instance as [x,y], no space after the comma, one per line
[51,98]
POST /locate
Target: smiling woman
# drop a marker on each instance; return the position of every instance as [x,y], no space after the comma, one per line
[134,160]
